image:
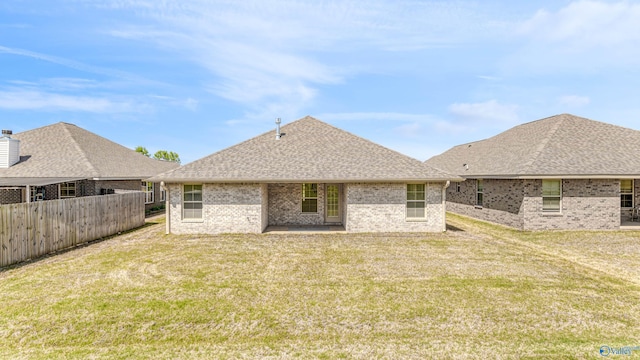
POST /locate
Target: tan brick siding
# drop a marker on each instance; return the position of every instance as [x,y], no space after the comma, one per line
[227,208]
[285,205]
[586,203]
[381,207]
[502,201]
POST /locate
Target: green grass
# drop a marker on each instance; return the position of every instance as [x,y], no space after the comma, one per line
[481,291]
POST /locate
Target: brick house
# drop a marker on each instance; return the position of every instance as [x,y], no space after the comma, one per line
[63,160]
[307,173]
[561,172]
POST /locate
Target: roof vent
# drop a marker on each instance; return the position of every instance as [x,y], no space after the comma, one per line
[9,150]
[278,135]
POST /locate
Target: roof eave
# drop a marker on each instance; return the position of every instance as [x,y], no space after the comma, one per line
[552,176]
[309,180]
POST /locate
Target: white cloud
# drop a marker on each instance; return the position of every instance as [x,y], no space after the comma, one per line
[587,23]
[584,36]
[74,64]
[36,100]
[574,100]
[261,53]
[489,111]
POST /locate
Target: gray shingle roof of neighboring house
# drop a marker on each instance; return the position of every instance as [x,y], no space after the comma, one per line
[66,151]
[559,146]
[308,151]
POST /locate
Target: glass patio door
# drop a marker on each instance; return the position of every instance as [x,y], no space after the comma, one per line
[332,212]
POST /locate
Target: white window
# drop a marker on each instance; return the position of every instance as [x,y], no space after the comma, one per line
[67,190]
[147,188]
[551,195]
[479,192]
[626,193]
[309,198]
[192,202]
[415,201]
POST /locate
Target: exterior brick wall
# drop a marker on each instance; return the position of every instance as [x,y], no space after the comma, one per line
[502,201]
[382,208]
[249,208]
[10,196]
[285,205]
[227,208]
[586,204]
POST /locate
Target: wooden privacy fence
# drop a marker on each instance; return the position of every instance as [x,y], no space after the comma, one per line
[31,230]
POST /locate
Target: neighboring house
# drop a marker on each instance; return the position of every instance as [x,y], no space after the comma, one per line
[63,161]
[562,172]
[311,174]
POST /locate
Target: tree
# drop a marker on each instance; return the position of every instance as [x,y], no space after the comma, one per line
[167,155]
[143,150]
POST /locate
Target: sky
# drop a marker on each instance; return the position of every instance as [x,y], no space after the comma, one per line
[419,77]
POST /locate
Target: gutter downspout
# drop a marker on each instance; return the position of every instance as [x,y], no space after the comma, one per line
[167,210]
[444,203]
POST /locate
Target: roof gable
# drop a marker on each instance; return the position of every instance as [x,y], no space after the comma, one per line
[309,150]
[561,145]
[66,150]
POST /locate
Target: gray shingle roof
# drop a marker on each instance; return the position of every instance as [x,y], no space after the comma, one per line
[559,146]
[309,151]
[64,150]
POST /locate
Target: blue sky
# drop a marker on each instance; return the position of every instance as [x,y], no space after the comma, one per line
[416,76]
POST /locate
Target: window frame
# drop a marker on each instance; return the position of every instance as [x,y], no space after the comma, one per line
[308,199]
[149,195]
[631,194]
[193,202]
[480,192]
[64,187]
[163,195]
[559,197]
[412,197]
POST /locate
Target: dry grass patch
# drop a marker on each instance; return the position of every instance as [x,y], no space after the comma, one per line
[463,294]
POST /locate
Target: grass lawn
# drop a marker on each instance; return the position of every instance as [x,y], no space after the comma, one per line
[477,291]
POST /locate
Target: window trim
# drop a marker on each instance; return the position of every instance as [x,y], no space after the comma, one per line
[148,193]
[304,198]
[193,219]
[65,186]
[163,195]
[415,201]
[480,192]
[559,197]
[632,193]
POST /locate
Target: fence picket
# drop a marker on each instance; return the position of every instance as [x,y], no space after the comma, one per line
[31,230]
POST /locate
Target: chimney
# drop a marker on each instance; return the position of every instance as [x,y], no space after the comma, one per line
[9,150]
[278,135]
